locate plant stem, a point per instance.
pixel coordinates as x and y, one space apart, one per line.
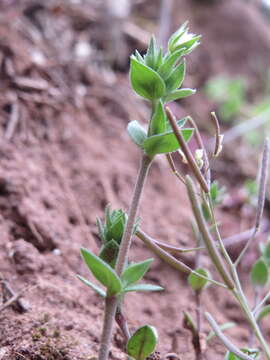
112 301
127 236
110 310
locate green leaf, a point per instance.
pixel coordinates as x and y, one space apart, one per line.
266 254
92 286
143 287
109 252
180 123
164 143
259 273
179 94
253 353
263 312
134 272
142 343
176 78
222 327
158 121
116 229
166 67
102 272
214 191
137 133
145 81
197 283
139 57
151 55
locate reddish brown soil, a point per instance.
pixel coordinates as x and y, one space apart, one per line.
68 156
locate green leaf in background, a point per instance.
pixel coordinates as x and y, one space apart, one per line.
266 253
253 353
176 78
102 272
196 282
164 143
259 273
222 327
136 132
142 343
100 291
134 272
179 94
143 287
145 81
166 67
158 121
109 252
263 312
180 123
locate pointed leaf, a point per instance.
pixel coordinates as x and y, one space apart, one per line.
136 132
102 272
92 286
100 229
143 287
115 231
164 143
158 121
145 81
180 123
179 94
142 343
109 252
259 273
222 327
134 272
176 78
166 67
263 312
151 54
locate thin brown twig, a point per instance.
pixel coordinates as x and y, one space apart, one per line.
191 161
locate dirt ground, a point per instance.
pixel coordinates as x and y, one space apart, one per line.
65 155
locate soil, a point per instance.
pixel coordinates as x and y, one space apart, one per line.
65 155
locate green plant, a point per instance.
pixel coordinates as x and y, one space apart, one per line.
156 77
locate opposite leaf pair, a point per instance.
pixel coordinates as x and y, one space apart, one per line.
114 284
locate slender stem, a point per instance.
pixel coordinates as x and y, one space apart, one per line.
110 310
127 236
111 302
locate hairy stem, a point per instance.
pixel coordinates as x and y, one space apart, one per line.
111 302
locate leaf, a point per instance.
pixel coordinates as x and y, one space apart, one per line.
266 253
263 312
137 133
139 57
214 191
102 272
180 123
145 81
100 229
134 272
222 327
176 78
196 282
109 252
116 229
253 353
151 55
166 67
259 273
92 286
179 94
164 143
158 121
143 287
142 343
